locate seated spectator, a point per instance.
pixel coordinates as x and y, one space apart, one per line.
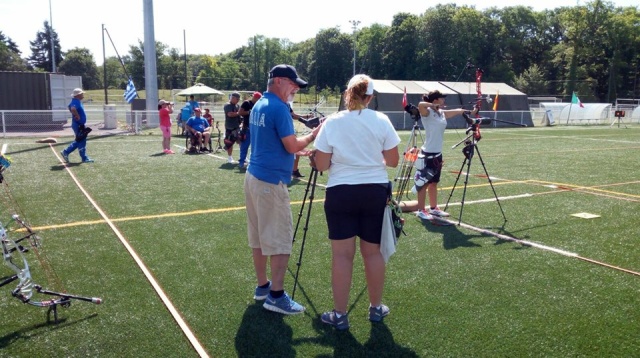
199 129
208 116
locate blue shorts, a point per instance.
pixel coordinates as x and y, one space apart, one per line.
356 210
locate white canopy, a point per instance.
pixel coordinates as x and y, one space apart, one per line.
198 88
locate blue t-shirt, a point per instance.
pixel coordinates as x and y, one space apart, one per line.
270 121
194 104
83 116
198 123
185 113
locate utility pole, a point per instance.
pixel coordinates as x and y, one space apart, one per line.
354 26
53 52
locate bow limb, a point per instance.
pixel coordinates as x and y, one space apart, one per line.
479 73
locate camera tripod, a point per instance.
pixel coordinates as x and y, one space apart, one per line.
403 176
469 150
311 185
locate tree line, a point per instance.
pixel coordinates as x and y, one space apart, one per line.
592 49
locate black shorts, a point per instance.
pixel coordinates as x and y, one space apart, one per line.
230 137
434 162
356 210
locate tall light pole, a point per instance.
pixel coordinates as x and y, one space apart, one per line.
53 53
354 26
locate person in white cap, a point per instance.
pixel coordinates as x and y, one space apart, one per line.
356 145
78 122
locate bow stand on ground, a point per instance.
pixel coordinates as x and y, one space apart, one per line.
13 255
310 193
404 176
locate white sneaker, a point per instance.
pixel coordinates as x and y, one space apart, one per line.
424 215
230 160
438 212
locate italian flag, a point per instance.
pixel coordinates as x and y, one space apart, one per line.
576 100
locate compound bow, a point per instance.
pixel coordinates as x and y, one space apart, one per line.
13 256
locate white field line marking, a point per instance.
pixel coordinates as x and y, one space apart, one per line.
581 138
167 302
208 154
540 246
526 195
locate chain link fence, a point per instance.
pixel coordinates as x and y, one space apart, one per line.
115 119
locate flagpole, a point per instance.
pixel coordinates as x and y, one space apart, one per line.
570 105
104 68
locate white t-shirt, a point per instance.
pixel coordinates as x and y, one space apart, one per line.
356 140
434 125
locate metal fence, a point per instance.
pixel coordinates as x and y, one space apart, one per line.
122 120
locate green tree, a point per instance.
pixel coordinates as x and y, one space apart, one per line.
371 49
41 56
532 82
115 73
80 62
335 53
10 55
399 59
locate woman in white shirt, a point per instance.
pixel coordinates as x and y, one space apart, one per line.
356 145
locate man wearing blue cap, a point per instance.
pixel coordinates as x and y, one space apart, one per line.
269 218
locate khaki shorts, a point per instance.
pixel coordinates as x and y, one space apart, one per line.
269 219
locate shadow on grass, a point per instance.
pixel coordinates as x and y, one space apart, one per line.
263 333
452 237
379 344
59 167
38 329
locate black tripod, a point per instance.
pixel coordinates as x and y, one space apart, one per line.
409 156
311 185
470 148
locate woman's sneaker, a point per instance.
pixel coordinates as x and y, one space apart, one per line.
331 318
284 305
438 212
424 215
377 313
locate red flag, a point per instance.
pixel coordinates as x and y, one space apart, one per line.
404 97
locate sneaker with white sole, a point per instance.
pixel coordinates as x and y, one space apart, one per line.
424 215
284 305
262 292
331 318
230 160
438 212
377 313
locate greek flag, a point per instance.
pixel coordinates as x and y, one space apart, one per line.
130 93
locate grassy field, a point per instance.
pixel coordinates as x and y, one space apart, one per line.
452 291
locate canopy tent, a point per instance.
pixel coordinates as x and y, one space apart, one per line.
564 113
513 105
635 115
198 89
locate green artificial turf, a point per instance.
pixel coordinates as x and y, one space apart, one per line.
452 291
